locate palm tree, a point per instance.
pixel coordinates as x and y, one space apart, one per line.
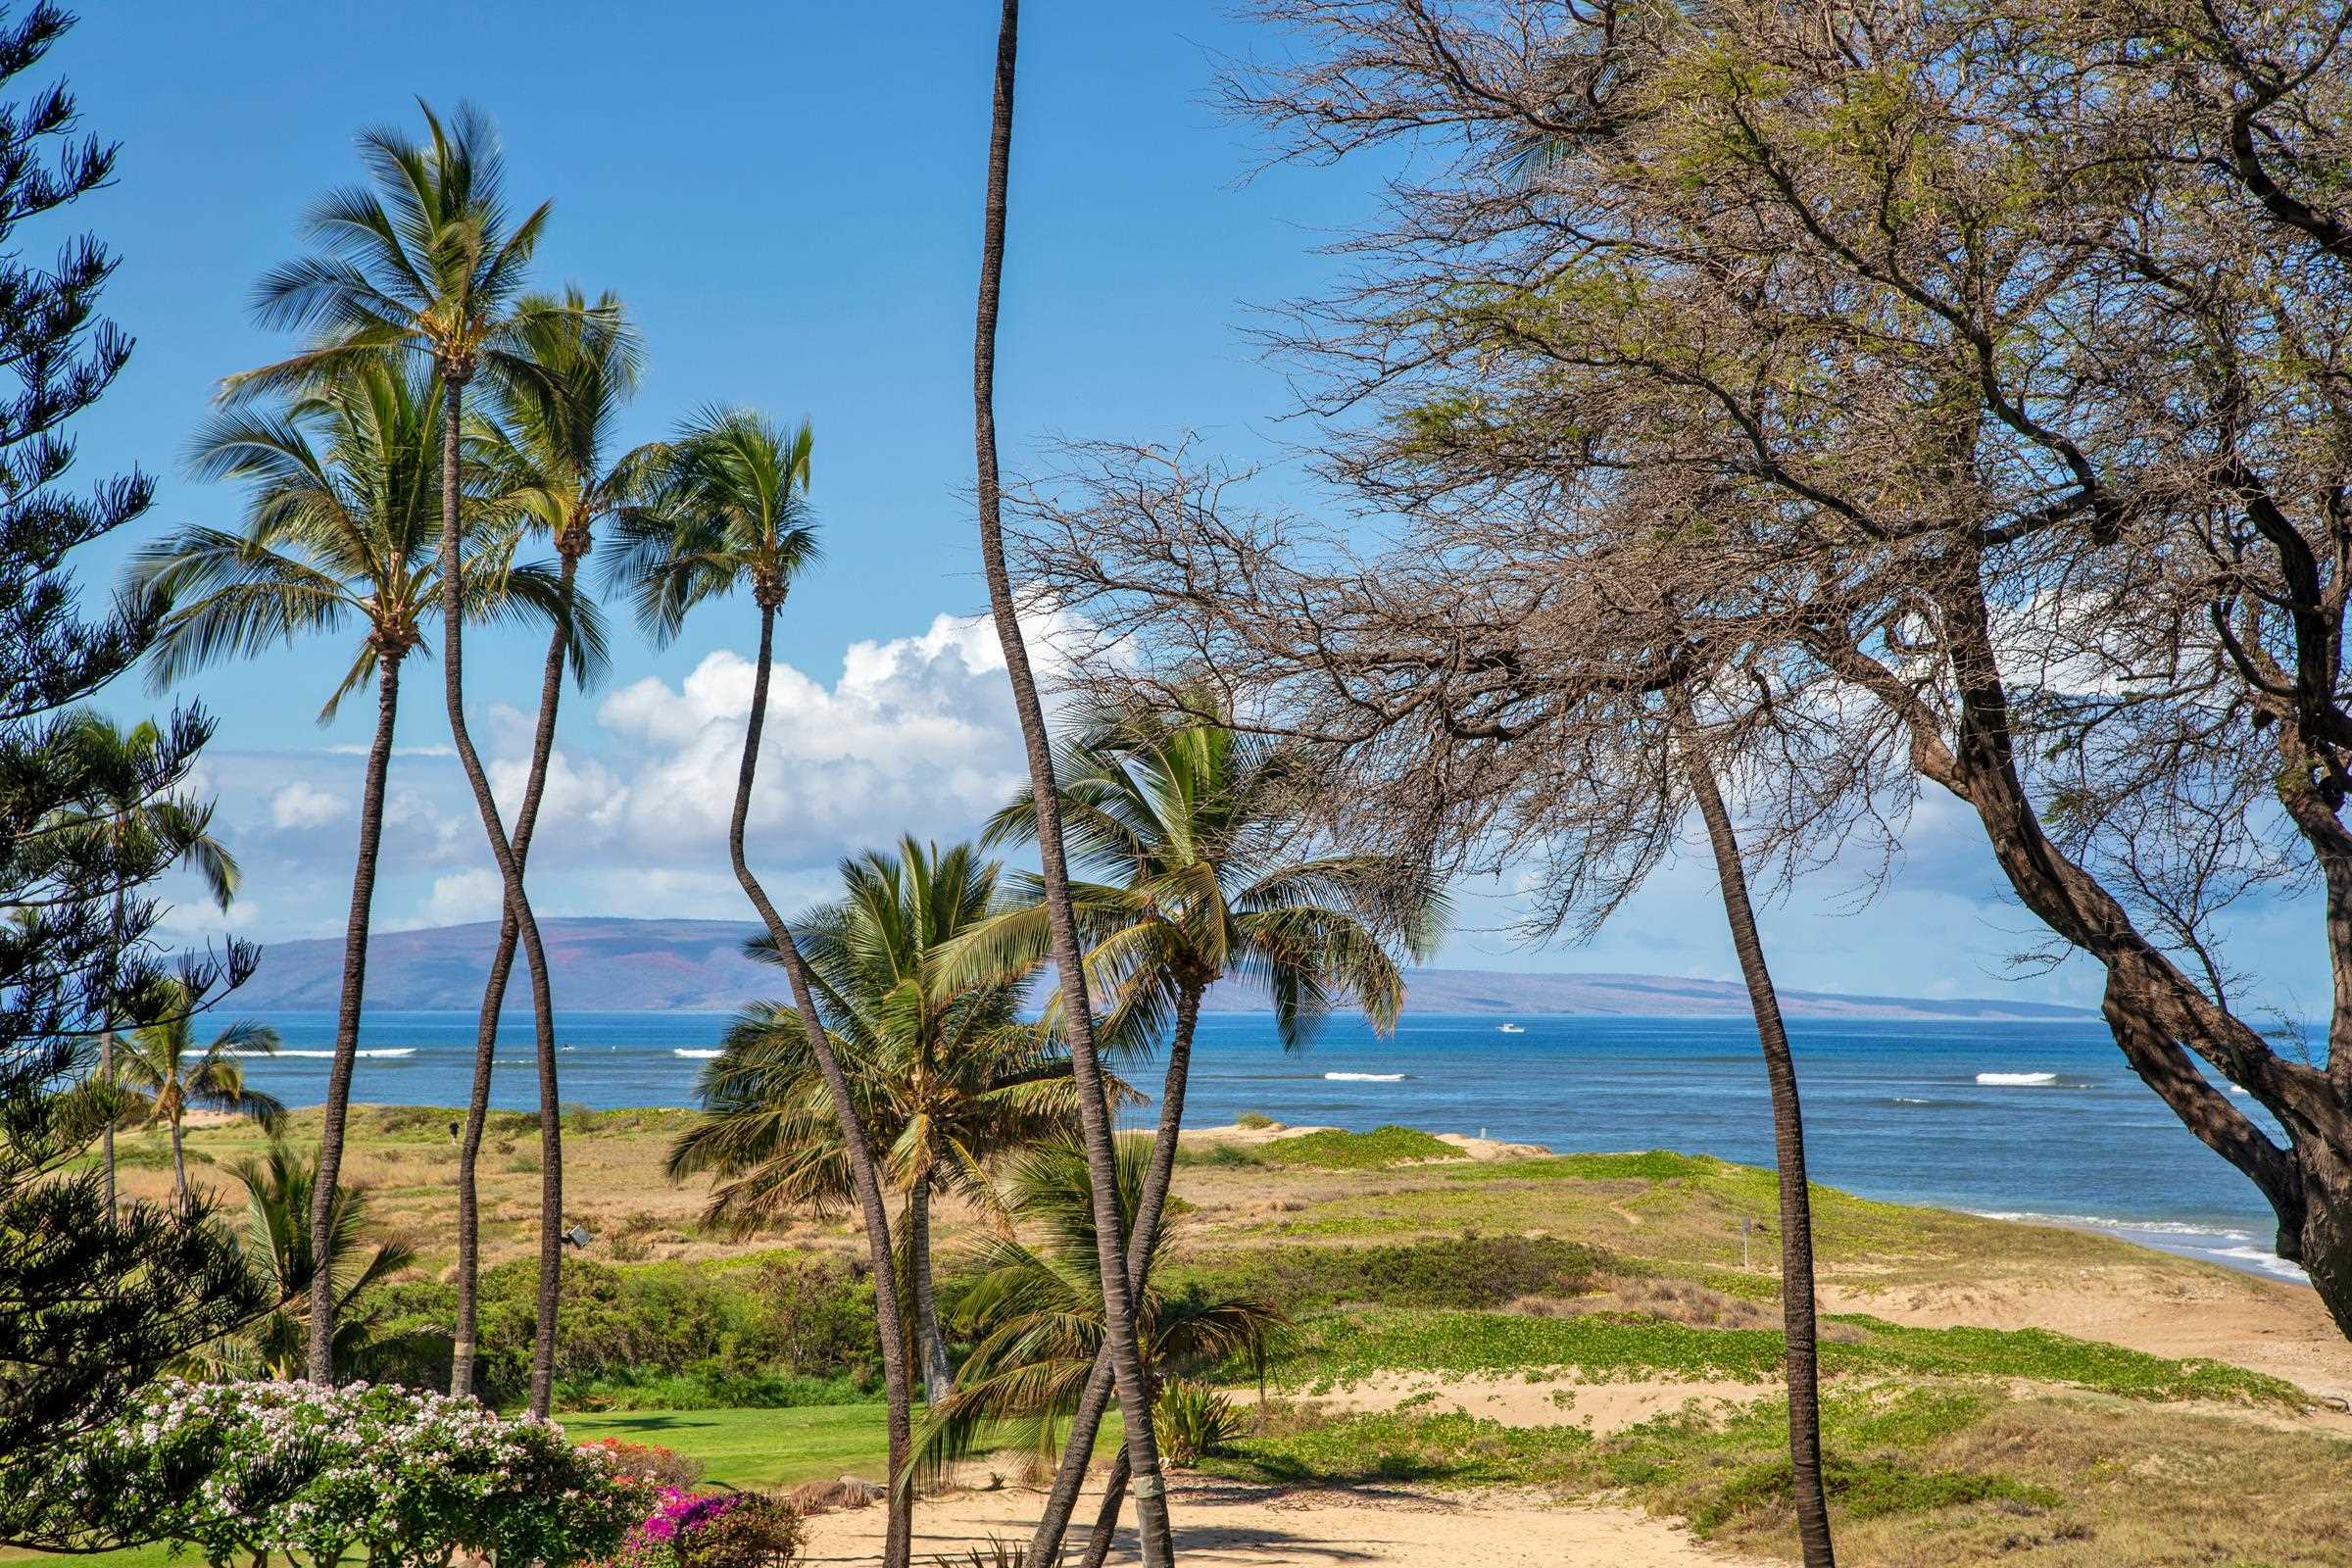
1789 1156
123 808
1191 825
551 462
340 514
1037 1309
424 263
1126 1357
737 516
164 1067
947 1077
280 1246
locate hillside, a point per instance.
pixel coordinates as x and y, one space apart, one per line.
620 965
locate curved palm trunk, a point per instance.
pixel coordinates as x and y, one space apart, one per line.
494 998
318 1364
1106 1517
1789 1151
931 1344
1078 1449
899 1538
1094 1112
180 1166
517 902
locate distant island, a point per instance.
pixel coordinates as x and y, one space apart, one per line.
604 965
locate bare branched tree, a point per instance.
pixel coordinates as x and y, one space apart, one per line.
1950 394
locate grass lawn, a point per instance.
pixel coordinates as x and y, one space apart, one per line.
755 1447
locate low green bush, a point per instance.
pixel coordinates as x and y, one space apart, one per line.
1336 1150
1463 1271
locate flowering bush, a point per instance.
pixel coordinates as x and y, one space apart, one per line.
407 1478
650 1462
712 1530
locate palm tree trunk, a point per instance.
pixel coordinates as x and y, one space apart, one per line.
320 1358
510 872
494 995
1789 1151
1078 1449
1106 1517
1094 1112
899 1538
933 1344
180 1166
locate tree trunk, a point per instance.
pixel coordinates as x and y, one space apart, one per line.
1078 1450
1094 1112
494 993
1789 1151
1106 1517
510 872
180 1166
931 1344
320 1358
898 1540
106 1035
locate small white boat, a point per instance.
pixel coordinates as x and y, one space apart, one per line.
1508 1029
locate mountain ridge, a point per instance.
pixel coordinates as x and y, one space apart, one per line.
621 964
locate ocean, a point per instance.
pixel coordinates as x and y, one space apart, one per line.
2039 1120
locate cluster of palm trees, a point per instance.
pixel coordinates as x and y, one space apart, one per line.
438 418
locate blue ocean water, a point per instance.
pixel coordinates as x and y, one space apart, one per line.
2040 1119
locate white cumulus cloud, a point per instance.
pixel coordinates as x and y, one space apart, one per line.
301 804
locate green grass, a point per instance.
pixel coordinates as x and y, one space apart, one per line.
755 1447
1335 1149
1341 1348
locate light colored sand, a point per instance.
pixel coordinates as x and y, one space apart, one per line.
1223 1524
1600 1409
1250 1137
2273 1327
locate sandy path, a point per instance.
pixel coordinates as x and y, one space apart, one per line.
1600 1409
1220 1524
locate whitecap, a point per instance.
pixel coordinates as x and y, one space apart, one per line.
2017 1080
1906 1100
681 1050
2268 1262
1364 1077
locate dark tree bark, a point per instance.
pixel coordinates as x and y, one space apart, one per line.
1106 1516
1789 1155
1094 1402
319 1354
510 872
494 993
898 1540
1094 1112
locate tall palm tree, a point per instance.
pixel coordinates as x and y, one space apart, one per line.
132 810
164 1067
1191 827
339 532
1126 1355
1798 1309
947 1077
552 463
736 516
1036 1305
425 264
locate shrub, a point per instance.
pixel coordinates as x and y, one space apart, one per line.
1335 1149
297 1470
714 1530
1465 1271
1192 1421
649 1461
1255 1120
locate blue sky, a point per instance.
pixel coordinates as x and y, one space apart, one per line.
787 198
